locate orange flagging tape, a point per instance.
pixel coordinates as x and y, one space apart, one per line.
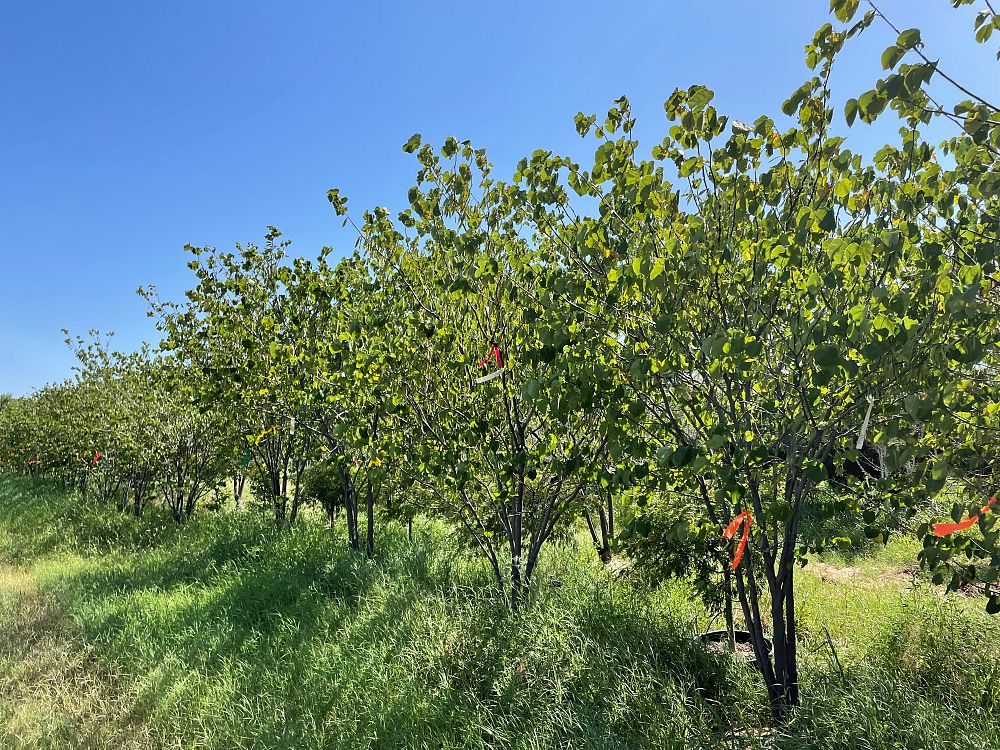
730 532
944 529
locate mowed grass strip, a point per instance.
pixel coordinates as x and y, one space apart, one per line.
53 692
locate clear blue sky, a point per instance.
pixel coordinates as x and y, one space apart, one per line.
130 129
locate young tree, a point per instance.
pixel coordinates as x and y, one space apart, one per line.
758 310
509 407
190 447
237 334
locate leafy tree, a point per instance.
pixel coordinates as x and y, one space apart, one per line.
509 409
351 381
755 309
238 334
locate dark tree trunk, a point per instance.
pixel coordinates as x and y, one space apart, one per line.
141 479
728 593
192 500
370 517
602 541
300 467
606 535
778 668
593 533
350 508
517 588
239 482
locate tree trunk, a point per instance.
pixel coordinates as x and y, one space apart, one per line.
779 668
516 584
192 499
730 627
593 534
611 518
350 508
605 535
370 547
239 481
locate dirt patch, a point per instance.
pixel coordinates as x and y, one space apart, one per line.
828 573
754 737
905 576
743 651
619 566
902 577
54 693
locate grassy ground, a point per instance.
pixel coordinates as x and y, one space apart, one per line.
229 634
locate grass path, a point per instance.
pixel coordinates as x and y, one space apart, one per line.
54 694
227 635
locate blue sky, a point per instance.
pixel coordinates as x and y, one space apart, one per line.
130 129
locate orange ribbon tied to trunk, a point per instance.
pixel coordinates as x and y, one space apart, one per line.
944 529
744 519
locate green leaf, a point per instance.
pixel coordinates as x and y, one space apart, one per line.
338 201
844 10
682 455
909 39
657 269
699 98
871 105
851 111
828 221
412 144
814 471
891 56
826 356
531 389
792 103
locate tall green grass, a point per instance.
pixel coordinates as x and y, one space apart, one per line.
228 633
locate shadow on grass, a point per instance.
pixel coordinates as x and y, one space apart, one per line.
241 635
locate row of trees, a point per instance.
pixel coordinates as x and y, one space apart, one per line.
127 430
715 329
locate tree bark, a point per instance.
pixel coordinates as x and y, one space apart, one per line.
779 669
605 536
593 533
350 508
239 481
370 508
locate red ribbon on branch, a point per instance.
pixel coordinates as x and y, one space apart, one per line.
97 457
495 352
743 519
944 529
